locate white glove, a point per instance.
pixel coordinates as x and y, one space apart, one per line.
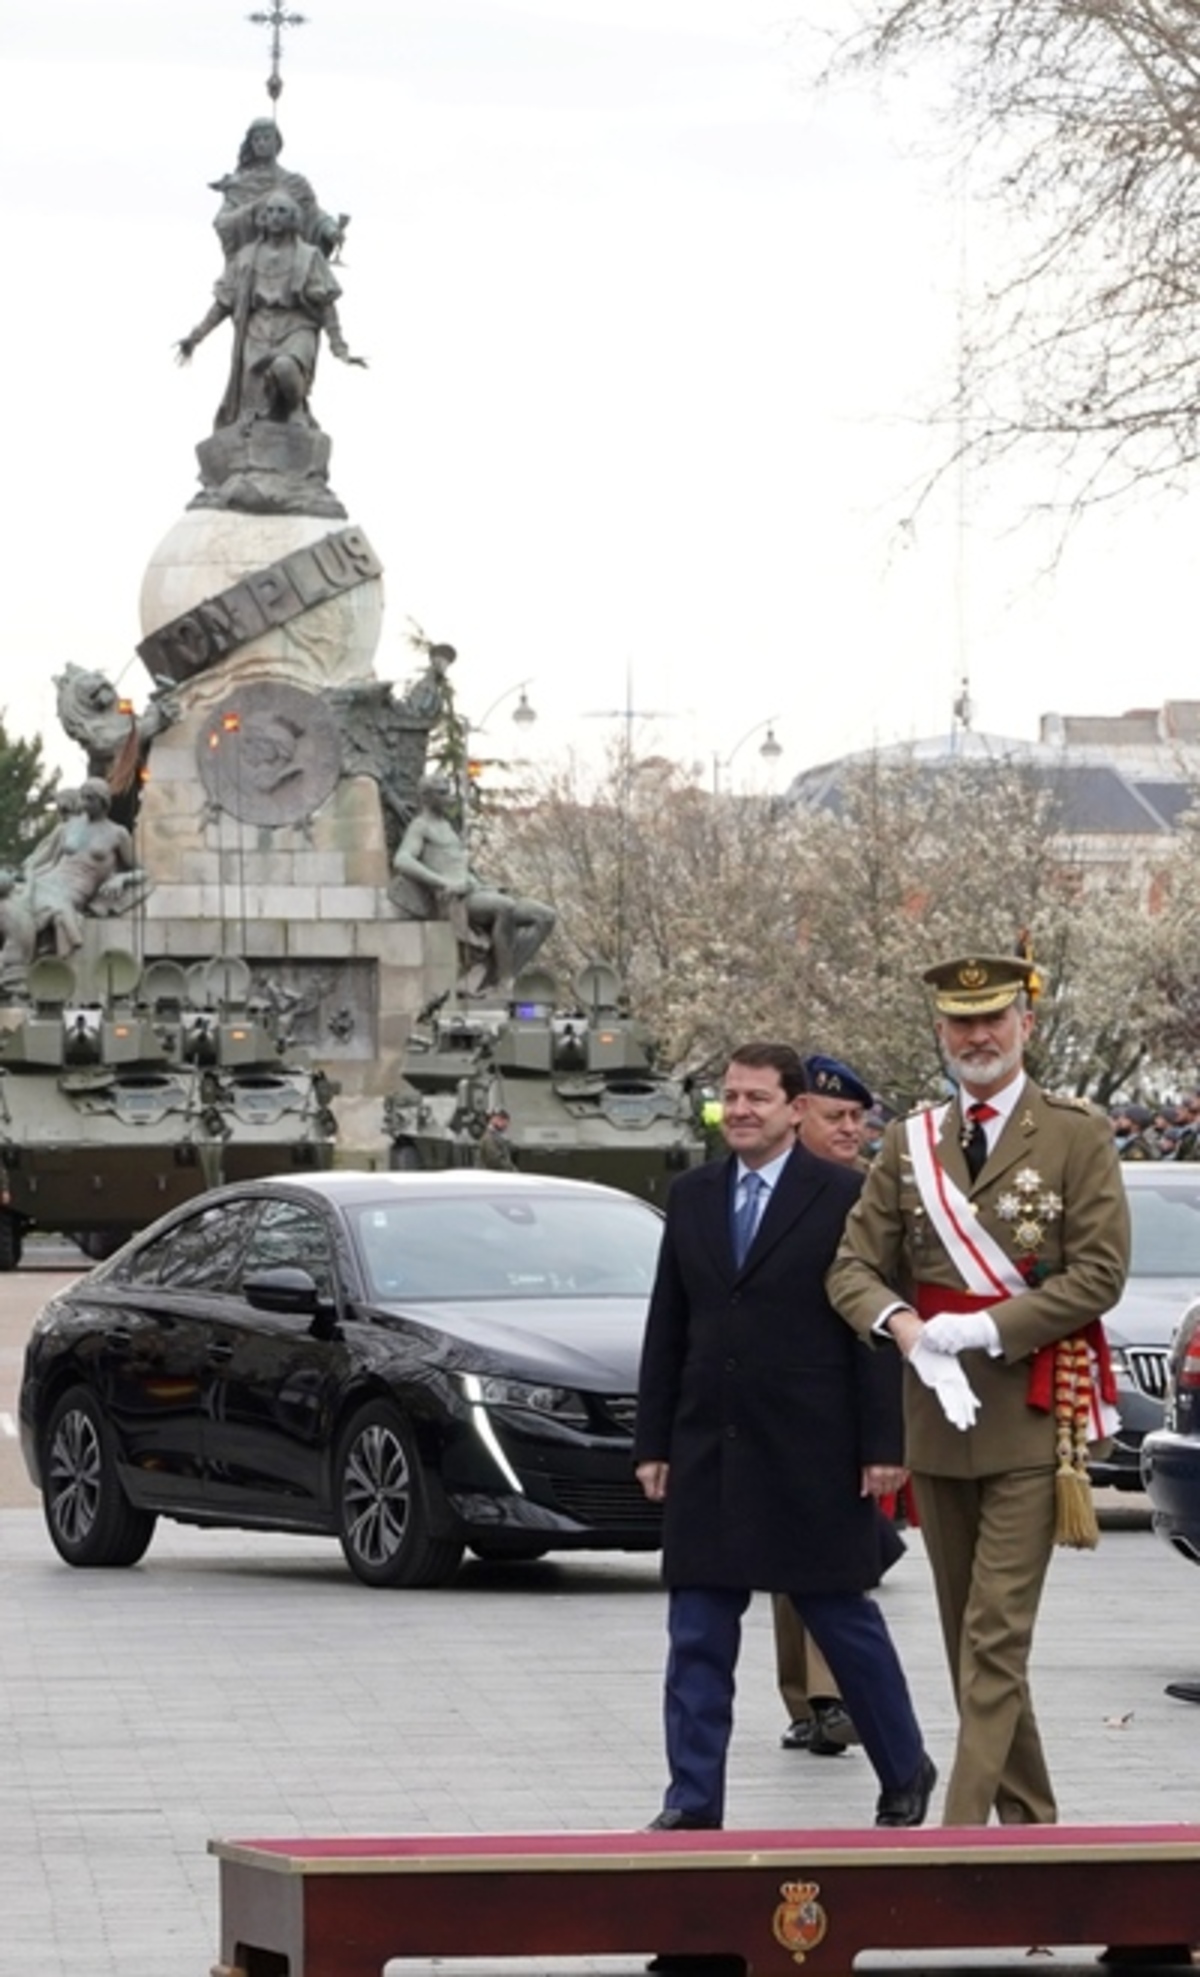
941 1371
962 1331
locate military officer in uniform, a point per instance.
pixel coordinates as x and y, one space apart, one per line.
836 1105
831 1125
990 1238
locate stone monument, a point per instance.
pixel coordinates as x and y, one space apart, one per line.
273 774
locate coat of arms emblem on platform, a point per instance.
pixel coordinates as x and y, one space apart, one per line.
799 1922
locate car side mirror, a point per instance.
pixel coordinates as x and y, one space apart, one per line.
284 1289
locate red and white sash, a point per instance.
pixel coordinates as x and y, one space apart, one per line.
981 1263
989 1275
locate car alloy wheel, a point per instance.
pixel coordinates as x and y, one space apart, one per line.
90 1519
381 1514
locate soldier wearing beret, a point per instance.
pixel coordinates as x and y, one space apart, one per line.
990 1238
767 1433
834 1108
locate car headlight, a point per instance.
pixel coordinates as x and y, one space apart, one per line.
526 1397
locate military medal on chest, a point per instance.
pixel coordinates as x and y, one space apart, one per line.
1029 1205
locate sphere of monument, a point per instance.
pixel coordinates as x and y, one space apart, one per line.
209 551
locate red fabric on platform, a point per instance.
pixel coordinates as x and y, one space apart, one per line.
470 1847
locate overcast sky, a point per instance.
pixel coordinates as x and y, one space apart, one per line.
651 330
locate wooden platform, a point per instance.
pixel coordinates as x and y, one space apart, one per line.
343 1907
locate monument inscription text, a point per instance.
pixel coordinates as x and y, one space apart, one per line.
267 597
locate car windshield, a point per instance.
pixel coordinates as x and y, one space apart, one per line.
509 1246
1166 1230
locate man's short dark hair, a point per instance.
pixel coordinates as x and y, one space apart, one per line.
775 1057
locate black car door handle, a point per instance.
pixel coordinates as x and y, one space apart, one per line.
218 1353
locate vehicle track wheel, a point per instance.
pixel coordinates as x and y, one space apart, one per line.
99 1244
88 1515
380 1507
10 1242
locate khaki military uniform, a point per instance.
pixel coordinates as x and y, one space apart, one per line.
801 1670
1051 1195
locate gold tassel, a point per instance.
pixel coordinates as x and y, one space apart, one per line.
1075 1522
1074 1512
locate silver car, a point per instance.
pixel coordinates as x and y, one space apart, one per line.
1164 1206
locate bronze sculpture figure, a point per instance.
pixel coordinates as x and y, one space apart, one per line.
281 294
498 933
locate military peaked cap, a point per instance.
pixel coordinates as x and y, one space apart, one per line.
980 983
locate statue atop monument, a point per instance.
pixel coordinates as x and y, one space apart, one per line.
282 295
258 172
267 454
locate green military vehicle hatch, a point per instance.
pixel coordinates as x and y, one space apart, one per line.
130 1091
527 1084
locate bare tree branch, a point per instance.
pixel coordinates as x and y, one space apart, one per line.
1082 120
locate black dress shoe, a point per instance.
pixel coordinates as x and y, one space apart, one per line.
799 1733
908 1805
833 1729
671 1820
825 1733
1184 1691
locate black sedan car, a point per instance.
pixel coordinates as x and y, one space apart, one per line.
413 1363
1171 1455
1164 1270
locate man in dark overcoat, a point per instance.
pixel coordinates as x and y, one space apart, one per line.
768 1432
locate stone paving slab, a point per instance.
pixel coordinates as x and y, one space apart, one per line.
239 1685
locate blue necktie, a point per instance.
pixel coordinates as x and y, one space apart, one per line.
745 1219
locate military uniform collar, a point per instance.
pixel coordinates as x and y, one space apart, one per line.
1003 1102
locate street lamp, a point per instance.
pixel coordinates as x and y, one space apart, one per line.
627 714
769 748
523 714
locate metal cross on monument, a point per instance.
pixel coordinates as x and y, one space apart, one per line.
277 19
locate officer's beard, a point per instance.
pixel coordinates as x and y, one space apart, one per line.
986 1069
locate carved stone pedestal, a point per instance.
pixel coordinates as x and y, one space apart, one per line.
273 594
267 468
258 838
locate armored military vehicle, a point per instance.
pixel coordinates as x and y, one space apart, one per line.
528 1084
128 1091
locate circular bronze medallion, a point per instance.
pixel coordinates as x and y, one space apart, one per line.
269 754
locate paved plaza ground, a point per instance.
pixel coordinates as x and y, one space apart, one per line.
242 1685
